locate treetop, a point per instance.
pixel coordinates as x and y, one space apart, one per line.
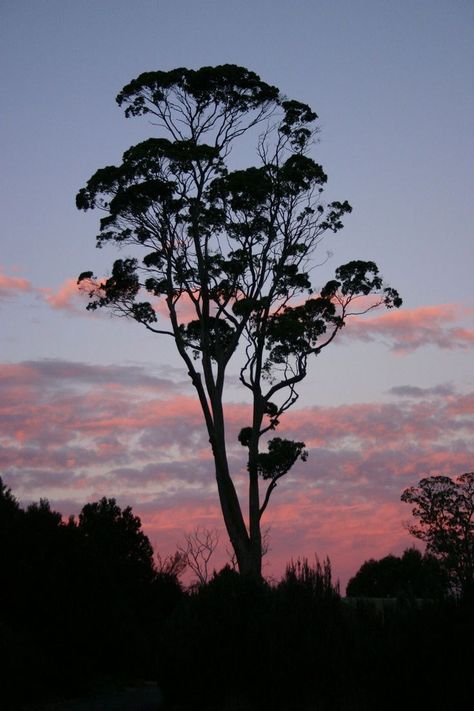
234 87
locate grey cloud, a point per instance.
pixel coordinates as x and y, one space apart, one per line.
60 371
418 392
190 472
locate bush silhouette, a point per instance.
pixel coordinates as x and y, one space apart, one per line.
412 576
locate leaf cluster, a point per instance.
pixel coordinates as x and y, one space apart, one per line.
280 457
235 88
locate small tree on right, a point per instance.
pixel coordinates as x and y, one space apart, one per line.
444 509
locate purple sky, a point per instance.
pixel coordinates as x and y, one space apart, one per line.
90 406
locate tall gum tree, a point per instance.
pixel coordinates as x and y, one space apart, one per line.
236 247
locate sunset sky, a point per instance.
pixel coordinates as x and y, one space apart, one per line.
91 406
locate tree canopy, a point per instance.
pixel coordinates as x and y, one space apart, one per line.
233 244
114 536
444 511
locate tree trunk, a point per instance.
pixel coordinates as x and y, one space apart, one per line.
248 549
250 565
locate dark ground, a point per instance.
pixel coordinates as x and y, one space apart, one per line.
146 697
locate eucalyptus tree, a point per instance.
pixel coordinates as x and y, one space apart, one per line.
234 245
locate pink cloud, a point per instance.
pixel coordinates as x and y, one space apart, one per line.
403 331
73 297
87 431
12 285
349 533
184 308
53 404
408 329
67 297
445 326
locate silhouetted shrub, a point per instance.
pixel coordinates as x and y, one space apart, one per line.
244 640
298 646
412 576
216 634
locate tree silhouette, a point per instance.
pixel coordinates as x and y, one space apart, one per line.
8 503
11 519
444 509
412 575
234 246
79 599
114 538
123 598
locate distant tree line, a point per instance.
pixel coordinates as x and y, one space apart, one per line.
413 575
83 601
79 600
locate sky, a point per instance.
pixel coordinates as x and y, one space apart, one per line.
91 406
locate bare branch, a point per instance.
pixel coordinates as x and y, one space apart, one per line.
198 549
